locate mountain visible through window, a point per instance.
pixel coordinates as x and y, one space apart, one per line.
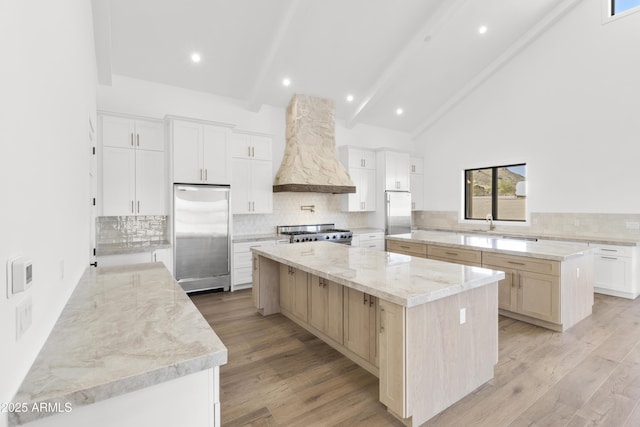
499 191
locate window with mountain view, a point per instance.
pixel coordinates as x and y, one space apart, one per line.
621 6
499 191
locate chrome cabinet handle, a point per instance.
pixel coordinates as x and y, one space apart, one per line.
608 250
138 206
381 319
248 151
608 257
452 253
205 175
516 263
253 206
132 211
200 174
132 139
249 208
138 139
253 151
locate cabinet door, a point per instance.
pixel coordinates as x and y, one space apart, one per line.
240 185
416 165
613 273
368 159
285 287
260 147
240 146
417 192
300 297
255 290
149 135
507 288
368 185
164 256
334 315
318 303
393 358
539 296
357 322
150 183
118 181
215 156
187 147
401 167
354 200
118 132
261 186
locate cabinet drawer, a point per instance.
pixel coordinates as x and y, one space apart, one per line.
242 275
610 250
373 244
242 259
370 236
462 256
533 265
417 249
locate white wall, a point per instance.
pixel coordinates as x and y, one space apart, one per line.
47 87
567 106
148 99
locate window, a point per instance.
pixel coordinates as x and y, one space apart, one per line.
499 191
621 6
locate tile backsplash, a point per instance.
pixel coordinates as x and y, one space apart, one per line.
286 211
625 226
130 229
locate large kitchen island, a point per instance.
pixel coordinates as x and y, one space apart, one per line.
428 329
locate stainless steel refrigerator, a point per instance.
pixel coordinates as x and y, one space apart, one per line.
201 237
398 205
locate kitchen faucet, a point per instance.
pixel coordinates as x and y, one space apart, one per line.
490 221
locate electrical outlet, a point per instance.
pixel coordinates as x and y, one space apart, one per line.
577 272
463 316
24 315
632 225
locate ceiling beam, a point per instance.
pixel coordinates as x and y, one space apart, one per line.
433 25
534 32
102 39
253 101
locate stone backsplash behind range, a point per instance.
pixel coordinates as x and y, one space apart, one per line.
286 211
544 224
131 229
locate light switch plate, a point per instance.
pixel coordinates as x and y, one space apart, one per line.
24 315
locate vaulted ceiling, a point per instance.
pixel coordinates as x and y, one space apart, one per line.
422 56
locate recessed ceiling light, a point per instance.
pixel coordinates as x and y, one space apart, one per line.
349 98
399 111
482 29
195 57
286 81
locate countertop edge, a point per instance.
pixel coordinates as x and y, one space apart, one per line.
115 249
406 302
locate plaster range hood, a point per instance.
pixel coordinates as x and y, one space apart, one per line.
310 162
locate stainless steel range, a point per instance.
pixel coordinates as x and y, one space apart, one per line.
313 233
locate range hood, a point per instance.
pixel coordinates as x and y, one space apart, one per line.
310 162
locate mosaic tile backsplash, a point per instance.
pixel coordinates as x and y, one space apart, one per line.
286 211
625 226
131 229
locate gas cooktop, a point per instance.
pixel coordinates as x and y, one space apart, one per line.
317 232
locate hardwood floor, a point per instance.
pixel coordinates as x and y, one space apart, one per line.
280 375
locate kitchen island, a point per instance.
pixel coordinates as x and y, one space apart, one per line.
549 284
128 349
427 329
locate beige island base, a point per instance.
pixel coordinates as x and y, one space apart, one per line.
427 329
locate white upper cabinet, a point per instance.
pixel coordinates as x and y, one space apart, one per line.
416 177
132 178
252 174
361 166
201 153
131 133
394 166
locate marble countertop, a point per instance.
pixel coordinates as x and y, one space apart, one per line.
582 239
123 329
557 251
401 279
257 237
131 248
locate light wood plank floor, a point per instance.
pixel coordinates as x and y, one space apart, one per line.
280 375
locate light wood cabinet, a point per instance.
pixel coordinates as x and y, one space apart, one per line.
531 286
294 291
326 307
459 256
201 153
407 248
360 320
393 369
361 165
